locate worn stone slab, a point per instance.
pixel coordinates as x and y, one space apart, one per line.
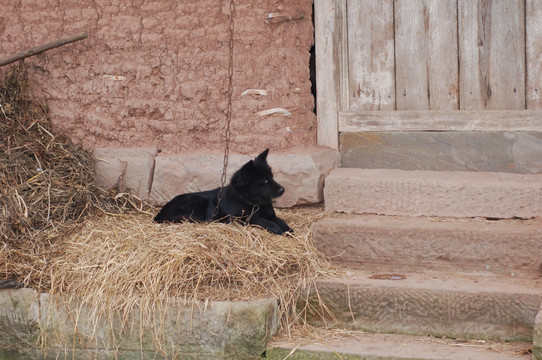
537 337
513 152
371 346
95 354
19 325
434 193
212 330
302 174
391 243
129 168
99 354
158 178
436 304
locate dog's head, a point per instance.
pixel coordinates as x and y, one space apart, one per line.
254 181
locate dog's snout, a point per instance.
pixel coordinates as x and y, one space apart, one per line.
281 190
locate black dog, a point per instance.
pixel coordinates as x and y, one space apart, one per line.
248 198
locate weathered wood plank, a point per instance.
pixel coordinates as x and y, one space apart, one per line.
442 51
426 54
435 120
328 16
492 54
342 22
533 47
411 62
371 55
496 151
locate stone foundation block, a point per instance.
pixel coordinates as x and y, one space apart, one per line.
495 151
129 168
19 318
537 337
434 193
302 174
34 325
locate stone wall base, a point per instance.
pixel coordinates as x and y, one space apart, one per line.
34 325
537 337
157 178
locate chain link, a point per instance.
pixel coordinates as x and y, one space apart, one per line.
227 132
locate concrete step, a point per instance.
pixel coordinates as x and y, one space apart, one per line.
415 244
434 193
437 304
371 346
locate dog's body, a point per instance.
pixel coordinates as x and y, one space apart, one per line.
248 197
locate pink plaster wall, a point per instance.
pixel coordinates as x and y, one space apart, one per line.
174 58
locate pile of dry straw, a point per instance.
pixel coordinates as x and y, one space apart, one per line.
61 233
47 185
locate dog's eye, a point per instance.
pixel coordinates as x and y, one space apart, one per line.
266 181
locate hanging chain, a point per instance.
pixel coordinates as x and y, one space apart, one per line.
228 113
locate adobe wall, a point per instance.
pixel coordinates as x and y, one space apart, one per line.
154 73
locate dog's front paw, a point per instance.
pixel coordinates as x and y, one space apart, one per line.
275 229
285 230
284 227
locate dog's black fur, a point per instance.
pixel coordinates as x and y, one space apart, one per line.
248 197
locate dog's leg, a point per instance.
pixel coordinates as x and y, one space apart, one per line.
282 224
266 215
268 225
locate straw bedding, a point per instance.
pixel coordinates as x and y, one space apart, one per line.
145 262
60 233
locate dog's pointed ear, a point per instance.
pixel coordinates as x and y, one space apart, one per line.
241 177
263 156
249 165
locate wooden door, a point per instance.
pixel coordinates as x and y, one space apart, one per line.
428 65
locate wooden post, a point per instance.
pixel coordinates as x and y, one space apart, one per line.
533 33
330 43
41 48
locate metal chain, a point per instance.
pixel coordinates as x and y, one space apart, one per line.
228 113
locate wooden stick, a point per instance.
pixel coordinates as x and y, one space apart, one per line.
41 48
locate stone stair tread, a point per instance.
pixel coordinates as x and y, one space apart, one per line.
374 346
434 193
439 280
431 303
403 243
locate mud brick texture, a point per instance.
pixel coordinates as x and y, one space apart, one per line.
155 73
